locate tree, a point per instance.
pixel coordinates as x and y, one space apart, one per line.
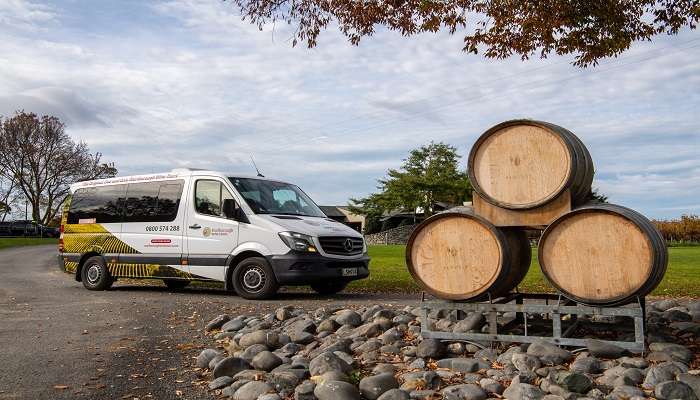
596 196
4 210
8 195
43 161
591 30
430 174
685 229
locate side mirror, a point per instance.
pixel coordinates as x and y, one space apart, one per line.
232 211
229 208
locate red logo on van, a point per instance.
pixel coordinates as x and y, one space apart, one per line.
155 241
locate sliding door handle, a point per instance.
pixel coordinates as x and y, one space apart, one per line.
195 226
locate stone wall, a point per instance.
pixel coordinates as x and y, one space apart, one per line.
398 235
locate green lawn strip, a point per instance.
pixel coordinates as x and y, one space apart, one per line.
683 274
389 273
16 242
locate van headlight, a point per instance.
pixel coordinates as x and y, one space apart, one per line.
298 241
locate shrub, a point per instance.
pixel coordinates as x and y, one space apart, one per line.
685 229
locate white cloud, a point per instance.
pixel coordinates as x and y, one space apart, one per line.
25 15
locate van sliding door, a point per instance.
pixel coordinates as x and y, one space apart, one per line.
153 228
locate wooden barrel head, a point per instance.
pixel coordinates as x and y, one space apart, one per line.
597 256
521 165
455 257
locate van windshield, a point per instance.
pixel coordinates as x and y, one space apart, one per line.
270 197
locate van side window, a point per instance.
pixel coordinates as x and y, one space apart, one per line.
169 200
101 205
209 197
152 201
141 202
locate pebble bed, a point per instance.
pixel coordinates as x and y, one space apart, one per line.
377 353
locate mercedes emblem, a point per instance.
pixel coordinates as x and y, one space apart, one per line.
348 245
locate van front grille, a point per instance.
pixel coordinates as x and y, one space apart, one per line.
341 245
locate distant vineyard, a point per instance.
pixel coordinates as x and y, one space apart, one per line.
685 229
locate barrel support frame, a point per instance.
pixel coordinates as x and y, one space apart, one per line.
555 306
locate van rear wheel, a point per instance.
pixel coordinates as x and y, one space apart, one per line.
254 279
176 283
95 275
329 287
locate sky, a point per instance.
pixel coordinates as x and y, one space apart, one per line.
155 85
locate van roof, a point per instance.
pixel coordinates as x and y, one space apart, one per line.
173 174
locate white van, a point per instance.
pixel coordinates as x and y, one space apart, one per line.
252 233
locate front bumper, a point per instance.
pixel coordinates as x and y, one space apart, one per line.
305 269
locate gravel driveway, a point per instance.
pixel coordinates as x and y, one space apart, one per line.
60 340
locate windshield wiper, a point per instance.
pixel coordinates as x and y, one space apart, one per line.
295 214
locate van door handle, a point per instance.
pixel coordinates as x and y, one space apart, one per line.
195 226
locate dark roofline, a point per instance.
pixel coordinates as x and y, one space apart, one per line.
332 211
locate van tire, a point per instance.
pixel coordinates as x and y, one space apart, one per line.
254 279
176 283
95 275
329 287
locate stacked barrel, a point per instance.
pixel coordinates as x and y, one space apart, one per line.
597 253
458 255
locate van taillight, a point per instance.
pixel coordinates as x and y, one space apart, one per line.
60 238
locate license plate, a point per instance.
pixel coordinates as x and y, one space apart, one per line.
349 271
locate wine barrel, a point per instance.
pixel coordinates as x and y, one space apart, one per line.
603 254
458 255
523 164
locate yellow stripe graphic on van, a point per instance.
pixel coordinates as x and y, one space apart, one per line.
147 271
70 266
83 238
84 228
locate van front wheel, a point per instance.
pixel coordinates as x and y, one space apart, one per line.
254 279
95 275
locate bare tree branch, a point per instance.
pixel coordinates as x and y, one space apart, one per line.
42 161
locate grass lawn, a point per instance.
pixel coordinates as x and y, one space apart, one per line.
15 242
388 273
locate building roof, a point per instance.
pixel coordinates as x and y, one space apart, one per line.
400 215
332 211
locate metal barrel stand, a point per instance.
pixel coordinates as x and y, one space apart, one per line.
552 305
